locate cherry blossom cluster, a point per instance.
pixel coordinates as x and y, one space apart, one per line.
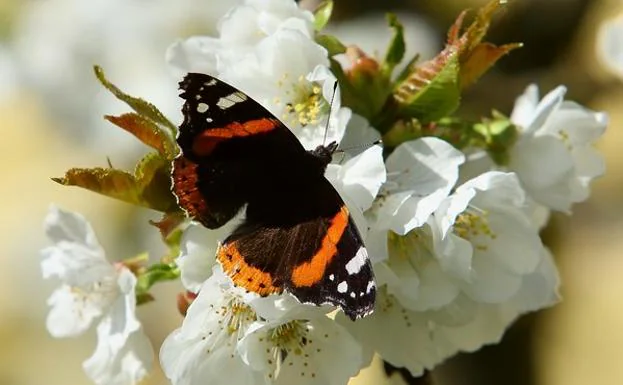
453 233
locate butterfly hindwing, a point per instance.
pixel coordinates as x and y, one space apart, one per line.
320 259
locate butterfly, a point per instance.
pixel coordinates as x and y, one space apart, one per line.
297 234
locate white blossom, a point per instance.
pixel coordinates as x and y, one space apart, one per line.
294 343
94 290
123 354
203 349
420 174
229 336
57 42
458 282
267 50
554 157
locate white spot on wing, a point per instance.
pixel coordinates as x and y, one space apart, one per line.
371 285
356 263
352 294
238 97
332 277
229 100
342 287
210 83
202 107
224 103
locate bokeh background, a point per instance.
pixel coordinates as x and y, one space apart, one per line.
50 114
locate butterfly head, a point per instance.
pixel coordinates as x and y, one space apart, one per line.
325 153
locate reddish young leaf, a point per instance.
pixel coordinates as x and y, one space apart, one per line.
147 132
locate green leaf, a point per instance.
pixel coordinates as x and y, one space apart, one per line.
431 91
143 298
331 43
147 132
322 14
396 50
141 106
156 273
149 186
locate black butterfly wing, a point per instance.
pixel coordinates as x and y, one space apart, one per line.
321 258
228 142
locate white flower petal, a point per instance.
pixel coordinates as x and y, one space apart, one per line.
119 364
198 253
549 103
376 244
540 288
420 176
195 54
195 362
65 226
525 107
326 353
361 176
359 136
545 177
89 284
490 284
407 345
205 344
70 315
249 23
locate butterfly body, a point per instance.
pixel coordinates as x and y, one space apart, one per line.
297 234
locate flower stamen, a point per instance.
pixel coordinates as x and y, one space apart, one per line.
473 223
307 103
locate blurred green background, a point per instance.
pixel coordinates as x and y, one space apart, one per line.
51 109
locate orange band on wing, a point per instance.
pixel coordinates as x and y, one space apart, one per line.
243 274
310 273
185 187
205 142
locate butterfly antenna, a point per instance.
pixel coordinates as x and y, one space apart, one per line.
326 129
364 145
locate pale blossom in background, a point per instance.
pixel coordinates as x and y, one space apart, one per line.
8 74
58 42
610 44
93 290
554 156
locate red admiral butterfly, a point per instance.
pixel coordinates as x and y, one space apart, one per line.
297 233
